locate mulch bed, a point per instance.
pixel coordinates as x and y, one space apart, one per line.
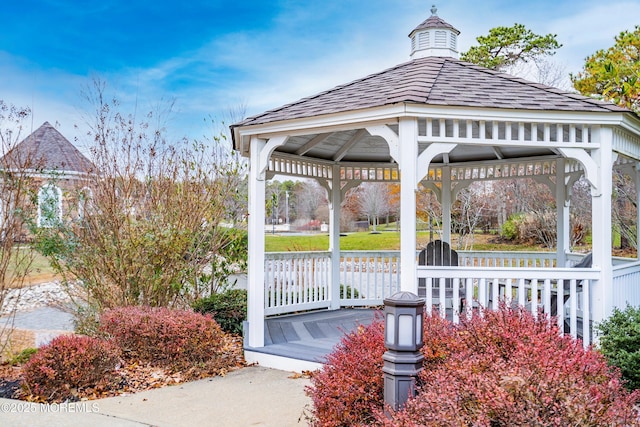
134 377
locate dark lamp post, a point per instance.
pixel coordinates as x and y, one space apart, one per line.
403 339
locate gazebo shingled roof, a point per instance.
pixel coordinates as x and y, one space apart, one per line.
434 81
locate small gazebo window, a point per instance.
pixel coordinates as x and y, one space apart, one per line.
441 39
49 206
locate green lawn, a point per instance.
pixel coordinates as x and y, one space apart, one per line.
387 240
320 242
39 268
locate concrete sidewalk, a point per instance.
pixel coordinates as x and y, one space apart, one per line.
252 396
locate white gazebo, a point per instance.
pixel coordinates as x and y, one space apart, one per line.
444 123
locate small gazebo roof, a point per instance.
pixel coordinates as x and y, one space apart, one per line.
47 149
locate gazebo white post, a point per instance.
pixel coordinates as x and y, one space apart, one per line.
446 205
408 147
636 178
255 267
602 294
563 229
335 200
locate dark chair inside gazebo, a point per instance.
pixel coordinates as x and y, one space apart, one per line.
439 253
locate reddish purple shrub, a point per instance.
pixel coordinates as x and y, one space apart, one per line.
507 368
439 339
176 339
504 368
68 364
348 387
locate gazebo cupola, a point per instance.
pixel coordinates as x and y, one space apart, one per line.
434 37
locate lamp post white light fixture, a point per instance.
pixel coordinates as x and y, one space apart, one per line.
403 339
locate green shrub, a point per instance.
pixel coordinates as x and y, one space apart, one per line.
86 319
69 363
620 343
22 357
177 339
510 229
228 308
349 292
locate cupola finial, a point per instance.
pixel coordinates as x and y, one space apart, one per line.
434 10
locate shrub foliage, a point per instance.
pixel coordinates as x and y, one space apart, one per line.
69 363
228 308
148 221
176 339
349 386
620 343
503 368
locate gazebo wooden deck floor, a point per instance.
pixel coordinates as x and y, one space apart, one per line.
311 336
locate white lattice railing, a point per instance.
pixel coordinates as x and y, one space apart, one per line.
368 277
560 292
626 284
296 281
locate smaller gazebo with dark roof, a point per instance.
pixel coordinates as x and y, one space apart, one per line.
58 170
442 123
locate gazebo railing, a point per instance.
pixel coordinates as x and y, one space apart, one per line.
506 259
368 277
297 281
626 284
563 293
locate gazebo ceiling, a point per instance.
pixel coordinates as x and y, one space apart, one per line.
358 146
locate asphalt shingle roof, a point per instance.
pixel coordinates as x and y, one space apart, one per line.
434 21
435 81
47 149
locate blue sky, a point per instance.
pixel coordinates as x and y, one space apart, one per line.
211 56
